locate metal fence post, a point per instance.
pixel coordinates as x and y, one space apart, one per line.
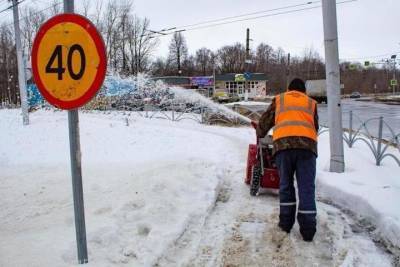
379 151
351 129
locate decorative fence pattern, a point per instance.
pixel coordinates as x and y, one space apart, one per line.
200 114
378 144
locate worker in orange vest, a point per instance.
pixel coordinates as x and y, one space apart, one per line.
294 119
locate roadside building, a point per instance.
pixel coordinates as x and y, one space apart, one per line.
201 84
235 85
230 84
180 81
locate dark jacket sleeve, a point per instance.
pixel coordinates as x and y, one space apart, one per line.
267 120
316 119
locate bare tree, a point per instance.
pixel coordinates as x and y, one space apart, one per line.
110 24
124 14
177 50
31 22
140 43
85 6
231 58
98 14
204 60
188 65
9 93
159 67
55 8
264 56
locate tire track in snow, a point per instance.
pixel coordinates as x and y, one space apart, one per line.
197 245
242 231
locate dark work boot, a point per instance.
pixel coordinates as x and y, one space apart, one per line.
284 228
307 234
287 217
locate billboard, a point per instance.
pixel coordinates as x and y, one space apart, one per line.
201 81
239 78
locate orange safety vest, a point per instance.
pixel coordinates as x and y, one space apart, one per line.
294 116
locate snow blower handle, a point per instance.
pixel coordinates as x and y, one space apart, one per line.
259 148
254 124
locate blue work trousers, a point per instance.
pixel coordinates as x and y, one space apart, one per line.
301 162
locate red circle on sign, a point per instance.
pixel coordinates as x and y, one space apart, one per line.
101 68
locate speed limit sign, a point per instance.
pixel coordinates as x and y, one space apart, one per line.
68 60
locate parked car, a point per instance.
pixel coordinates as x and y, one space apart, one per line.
221 97
355 95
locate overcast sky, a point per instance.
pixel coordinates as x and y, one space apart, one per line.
365 27
368 29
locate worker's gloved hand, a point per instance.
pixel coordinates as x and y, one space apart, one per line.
259 133
258 130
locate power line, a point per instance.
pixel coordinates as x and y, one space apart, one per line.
7 8
237 16
368 57
246 19
248 14
37 12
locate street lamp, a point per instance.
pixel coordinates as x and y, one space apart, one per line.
393 57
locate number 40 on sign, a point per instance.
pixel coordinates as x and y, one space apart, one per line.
68 61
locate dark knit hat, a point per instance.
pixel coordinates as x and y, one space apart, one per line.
298 85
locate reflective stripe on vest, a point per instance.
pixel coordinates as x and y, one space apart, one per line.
298 123
294 123
309 109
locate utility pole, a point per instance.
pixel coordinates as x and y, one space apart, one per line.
178 54
394 72
21 65
76 170
333 86
247 64
213 92
288 70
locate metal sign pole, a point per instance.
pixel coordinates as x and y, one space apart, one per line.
76 171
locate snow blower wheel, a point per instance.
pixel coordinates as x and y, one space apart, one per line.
255 179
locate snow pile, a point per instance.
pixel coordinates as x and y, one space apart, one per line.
369 191
143 185
115 86
172 194
142 89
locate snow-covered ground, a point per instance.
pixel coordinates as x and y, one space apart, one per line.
163 193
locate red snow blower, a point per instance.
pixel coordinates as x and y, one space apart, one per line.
261 169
